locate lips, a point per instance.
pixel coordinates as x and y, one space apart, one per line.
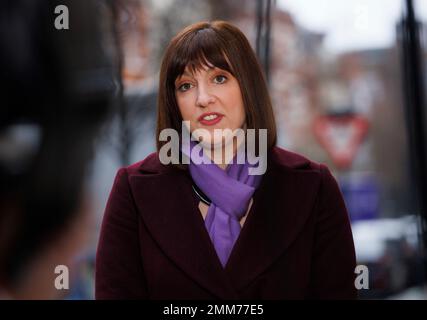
211 118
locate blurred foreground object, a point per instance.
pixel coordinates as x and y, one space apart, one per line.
409 34
57 89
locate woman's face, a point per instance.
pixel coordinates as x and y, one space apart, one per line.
210 99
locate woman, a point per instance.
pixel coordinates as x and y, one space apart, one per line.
215 231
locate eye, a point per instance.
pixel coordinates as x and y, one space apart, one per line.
184 87
220 79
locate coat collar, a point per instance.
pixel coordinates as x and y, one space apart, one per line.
281 205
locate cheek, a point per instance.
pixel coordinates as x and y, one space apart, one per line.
185 107
238 111
242 113
235 103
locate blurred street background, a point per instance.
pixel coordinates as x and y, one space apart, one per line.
336 80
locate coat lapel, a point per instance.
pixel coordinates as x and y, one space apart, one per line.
169 210
281 206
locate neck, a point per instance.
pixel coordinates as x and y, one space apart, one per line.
222 157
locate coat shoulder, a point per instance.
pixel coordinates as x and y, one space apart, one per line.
291 160
150 164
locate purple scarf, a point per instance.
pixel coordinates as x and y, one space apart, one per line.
230 191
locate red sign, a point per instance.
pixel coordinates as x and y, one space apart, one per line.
341 136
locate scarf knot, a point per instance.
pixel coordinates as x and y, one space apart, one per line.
230 191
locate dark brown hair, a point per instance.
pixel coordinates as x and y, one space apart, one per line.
224 46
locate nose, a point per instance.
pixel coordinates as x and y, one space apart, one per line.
204 97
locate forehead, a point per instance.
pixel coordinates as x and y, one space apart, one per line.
191 72
191 65
203 64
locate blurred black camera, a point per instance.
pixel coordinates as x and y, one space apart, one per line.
57 89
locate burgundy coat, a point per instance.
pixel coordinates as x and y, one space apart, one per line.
296 242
